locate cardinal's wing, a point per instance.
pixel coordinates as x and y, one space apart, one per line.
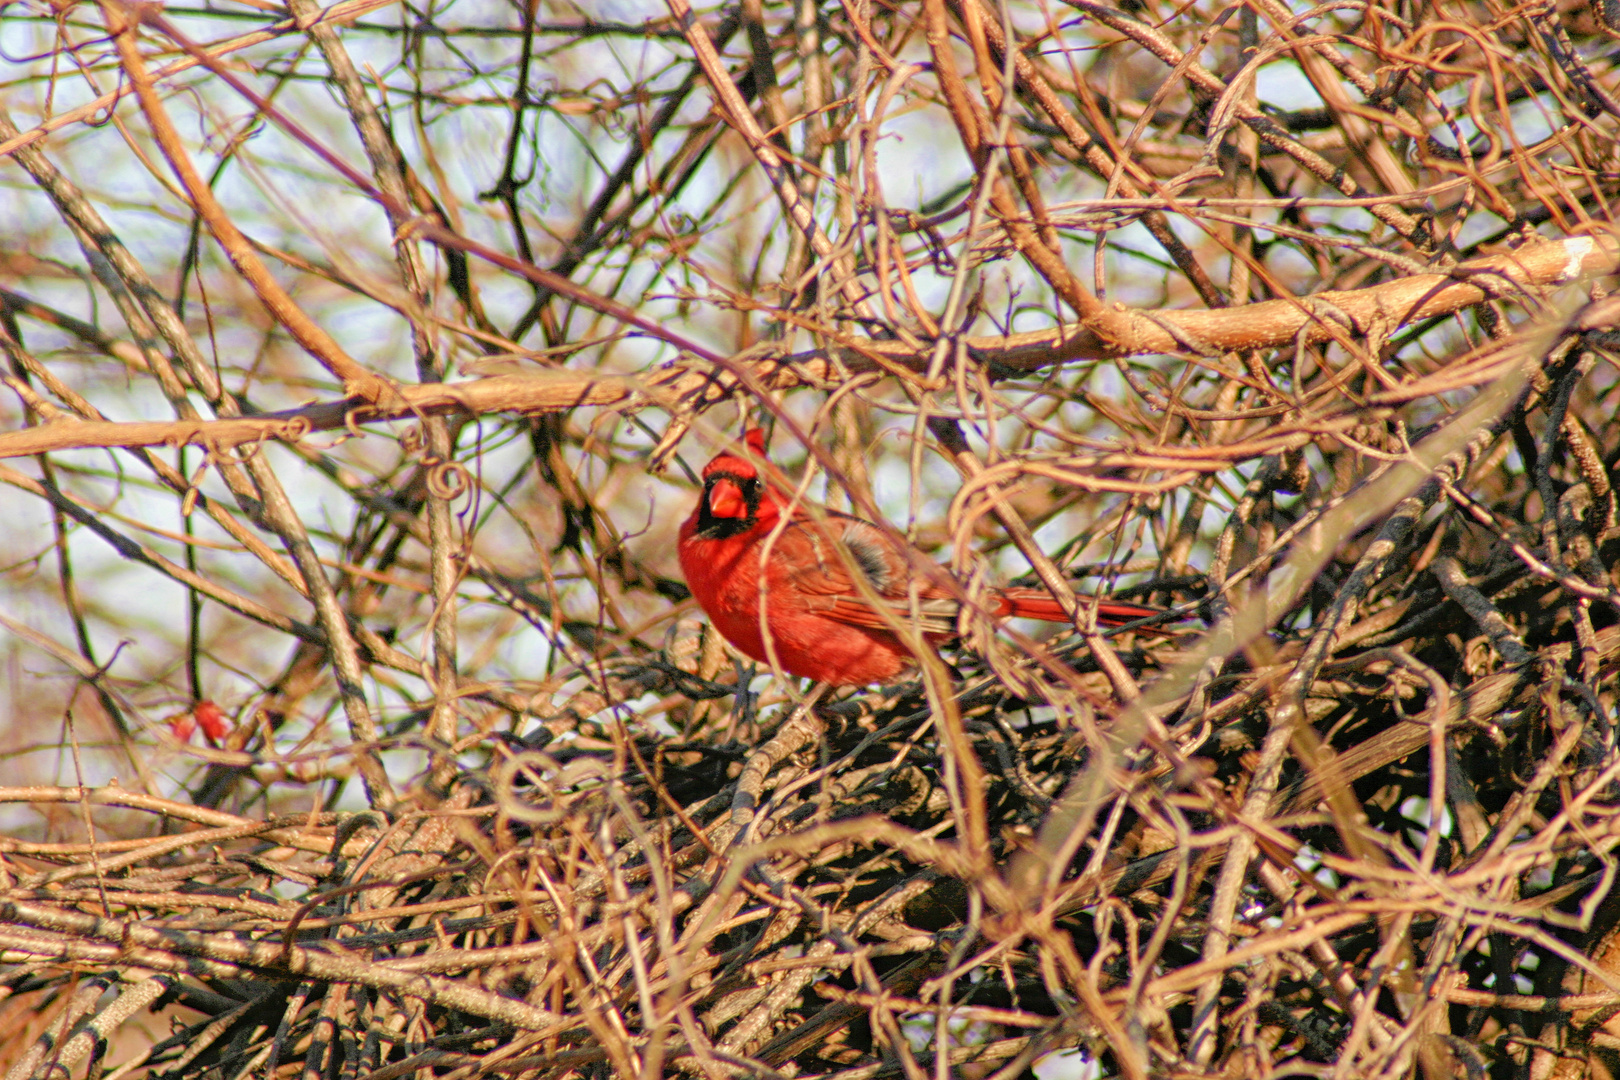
817 558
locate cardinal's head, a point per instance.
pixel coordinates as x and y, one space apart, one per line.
736 499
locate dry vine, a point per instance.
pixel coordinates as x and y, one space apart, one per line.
358 360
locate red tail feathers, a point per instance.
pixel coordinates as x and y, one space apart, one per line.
1038 604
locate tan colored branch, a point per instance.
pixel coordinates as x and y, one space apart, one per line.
974 127
345 11
537 392
740 118
306 331
1132 332
1273 323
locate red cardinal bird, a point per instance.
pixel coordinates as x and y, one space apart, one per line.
821 625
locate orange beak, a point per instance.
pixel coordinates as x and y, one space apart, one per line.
726 500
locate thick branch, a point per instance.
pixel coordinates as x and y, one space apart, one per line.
1270 324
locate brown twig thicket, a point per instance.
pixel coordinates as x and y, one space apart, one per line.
357 363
